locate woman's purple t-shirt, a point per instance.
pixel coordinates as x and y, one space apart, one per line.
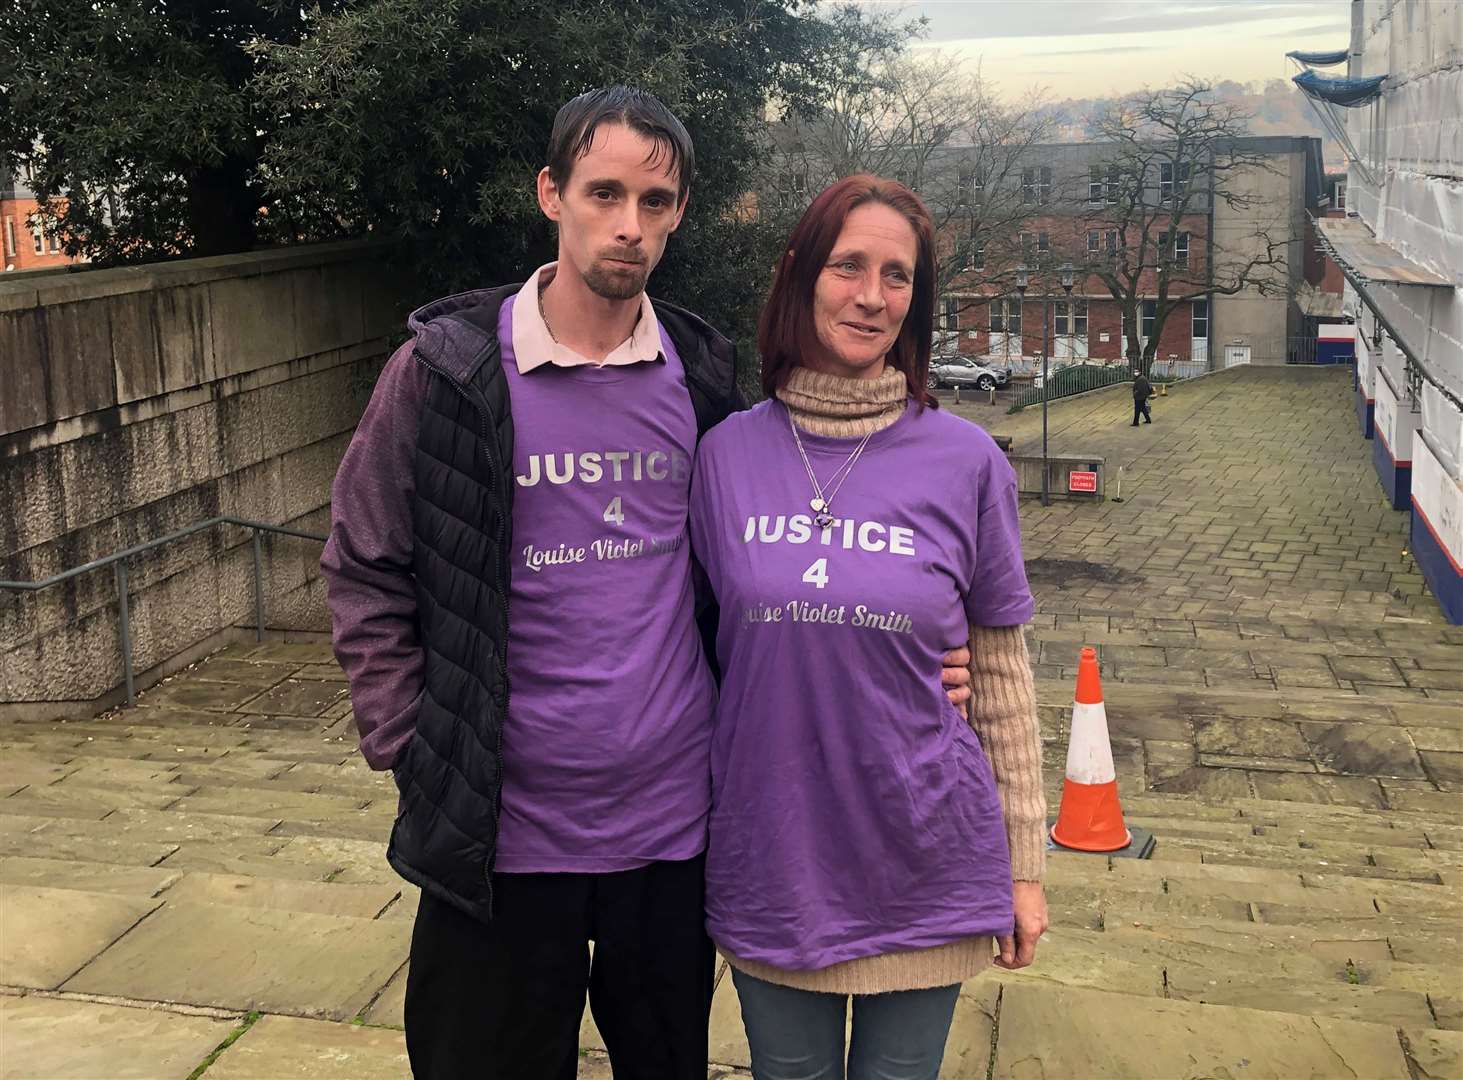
853 810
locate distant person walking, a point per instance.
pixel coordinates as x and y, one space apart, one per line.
1142 391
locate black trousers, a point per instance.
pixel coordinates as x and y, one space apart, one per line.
505 1001
1140 408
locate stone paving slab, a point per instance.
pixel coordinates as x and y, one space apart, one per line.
250 855
321 966
83 848
389 1009
282 1047
359 861
300 697
1051 1031
270 805
281 894
93 877
46 935
1434 1055
53 1039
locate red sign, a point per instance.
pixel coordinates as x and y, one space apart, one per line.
1082 481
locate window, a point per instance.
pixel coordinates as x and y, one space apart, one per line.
1094 242
792 186
1036 184
1173 180
1178 254
10 238
1338 196
1150 314
975 254
950 317
1098 241
978 183
1006 317
964 185
55 244
1070 321
1036 248
1096 193
39 239
1200 316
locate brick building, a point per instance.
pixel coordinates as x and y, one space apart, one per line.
1063 189
24 244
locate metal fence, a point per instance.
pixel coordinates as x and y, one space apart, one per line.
1071 379
1065 378
1174 370
118 562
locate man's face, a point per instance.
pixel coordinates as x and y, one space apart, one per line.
614 213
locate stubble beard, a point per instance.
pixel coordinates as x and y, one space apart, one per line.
616 284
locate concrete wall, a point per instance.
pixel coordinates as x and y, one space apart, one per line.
134 402
1263 322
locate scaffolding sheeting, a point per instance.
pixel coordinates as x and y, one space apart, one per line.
1354 247
1320 59
1348 93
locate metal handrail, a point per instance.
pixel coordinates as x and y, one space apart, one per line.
118 561
1416 371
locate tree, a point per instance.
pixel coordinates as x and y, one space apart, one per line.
211 127
136 123
1142 212
931 121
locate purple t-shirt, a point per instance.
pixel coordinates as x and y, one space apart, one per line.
853 810
606 741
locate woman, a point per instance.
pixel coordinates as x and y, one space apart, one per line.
858 843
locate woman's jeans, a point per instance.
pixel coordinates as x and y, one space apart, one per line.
798 1034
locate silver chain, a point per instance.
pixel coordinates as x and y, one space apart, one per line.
822 504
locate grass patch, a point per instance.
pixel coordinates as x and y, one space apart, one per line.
233 1037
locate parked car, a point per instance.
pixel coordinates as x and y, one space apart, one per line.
963 371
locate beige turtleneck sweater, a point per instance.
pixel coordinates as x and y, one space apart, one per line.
1003 713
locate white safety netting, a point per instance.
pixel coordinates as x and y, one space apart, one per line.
1443 425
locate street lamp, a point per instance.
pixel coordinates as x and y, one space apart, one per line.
1069 278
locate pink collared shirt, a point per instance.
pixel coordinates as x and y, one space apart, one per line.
533 345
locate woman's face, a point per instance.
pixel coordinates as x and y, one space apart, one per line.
863 292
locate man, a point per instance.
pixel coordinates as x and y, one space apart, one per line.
1142 391
529 450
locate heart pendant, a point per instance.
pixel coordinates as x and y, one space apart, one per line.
818 505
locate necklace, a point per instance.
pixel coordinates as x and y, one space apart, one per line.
822 501
542 314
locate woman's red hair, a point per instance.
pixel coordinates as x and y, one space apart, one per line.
786 334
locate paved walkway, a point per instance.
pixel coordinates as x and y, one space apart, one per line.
1251 494
200 880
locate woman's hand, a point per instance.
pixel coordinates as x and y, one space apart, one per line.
956 675
1031 922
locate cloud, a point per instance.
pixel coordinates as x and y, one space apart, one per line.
974 20
1341 31
1103 50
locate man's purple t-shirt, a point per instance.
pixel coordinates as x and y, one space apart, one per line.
606 741
853 810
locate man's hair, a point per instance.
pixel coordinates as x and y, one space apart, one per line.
643 113
786 333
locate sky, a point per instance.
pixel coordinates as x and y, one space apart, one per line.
1092 48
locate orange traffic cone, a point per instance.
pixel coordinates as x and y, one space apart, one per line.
1091 818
